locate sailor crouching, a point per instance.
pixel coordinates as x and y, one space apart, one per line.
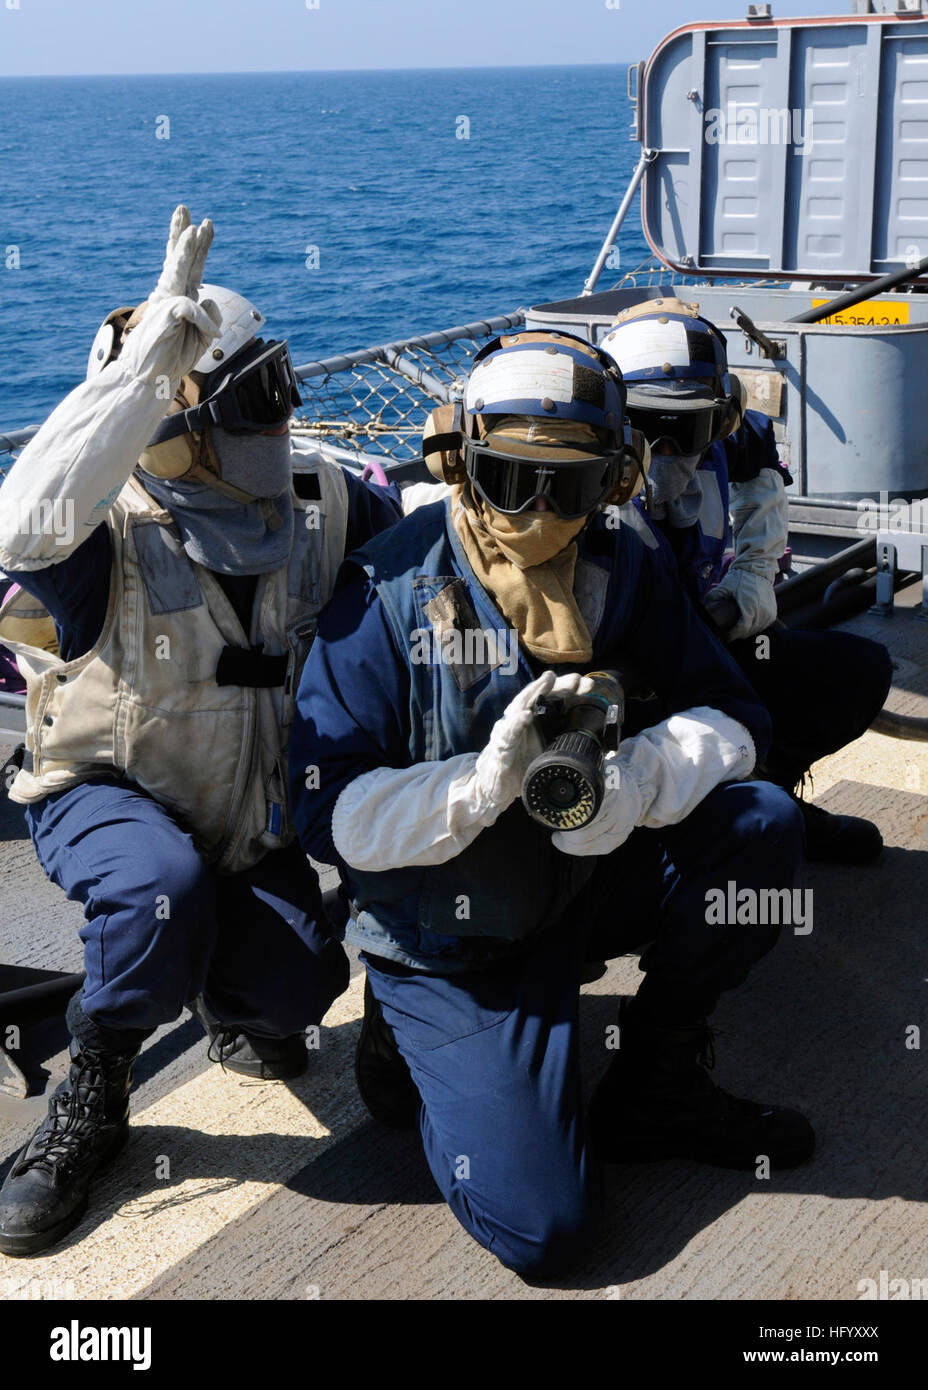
162 643
476 922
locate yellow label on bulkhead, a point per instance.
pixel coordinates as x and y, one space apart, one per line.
870 313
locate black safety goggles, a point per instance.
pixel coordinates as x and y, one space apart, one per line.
258 393
254 392
573 487
691 431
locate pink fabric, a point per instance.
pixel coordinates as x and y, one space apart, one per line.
374 470
10 679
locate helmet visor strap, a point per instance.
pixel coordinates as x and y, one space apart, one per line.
510 483
691 431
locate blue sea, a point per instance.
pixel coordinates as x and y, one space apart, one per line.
416 229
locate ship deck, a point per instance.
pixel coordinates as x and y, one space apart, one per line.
289 1190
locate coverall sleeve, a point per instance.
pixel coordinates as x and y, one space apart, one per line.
675 651
75 592
371 509
352 711
62 485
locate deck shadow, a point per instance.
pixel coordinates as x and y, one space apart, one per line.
12 819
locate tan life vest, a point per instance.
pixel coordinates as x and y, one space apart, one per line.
144 701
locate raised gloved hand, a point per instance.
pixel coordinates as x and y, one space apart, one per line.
760 524
184 257
395 818
89 445
659 776
174 329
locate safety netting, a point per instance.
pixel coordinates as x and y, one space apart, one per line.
377 401
652 273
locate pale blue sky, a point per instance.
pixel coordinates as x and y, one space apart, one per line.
166 36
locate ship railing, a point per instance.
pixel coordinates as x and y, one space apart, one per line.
652 272
370 406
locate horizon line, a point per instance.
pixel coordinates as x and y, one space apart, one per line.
292 72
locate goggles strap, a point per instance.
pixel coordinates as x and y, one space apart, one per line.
189 421
441 443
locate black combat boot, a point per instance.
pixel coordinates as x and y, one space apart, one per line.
657 1101
384 1080
46 1191
830 838
250 1054
834 839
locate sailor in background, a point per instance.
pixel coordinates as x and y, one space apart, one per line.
474 920
181 598
709 458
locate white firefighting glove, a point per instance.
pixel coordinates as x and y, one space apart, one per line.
65 480
394 818
175 330
760 525
659 776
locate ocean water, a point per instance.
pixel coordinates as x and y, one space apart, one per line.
416 229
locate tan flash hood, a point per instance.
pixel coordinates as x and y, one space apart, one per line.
635 475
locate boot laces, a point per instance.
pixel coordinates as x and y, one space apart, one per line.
706 1055
724 1099
222 1043
71 1113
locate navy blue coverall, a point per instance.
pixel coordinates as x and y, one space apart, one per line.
489 1027
822 689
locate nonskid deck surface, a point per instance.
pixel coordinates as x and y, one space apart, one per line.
905 634
280 1190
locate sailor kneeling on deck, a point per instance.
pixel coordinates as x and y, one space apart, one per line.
183 600
710 457
476 922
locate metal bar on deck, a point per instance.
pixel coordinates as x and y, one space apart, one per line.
908 275
418 376
647 157
792 590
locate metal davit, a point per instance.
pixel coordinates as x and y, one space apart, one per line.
784 161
